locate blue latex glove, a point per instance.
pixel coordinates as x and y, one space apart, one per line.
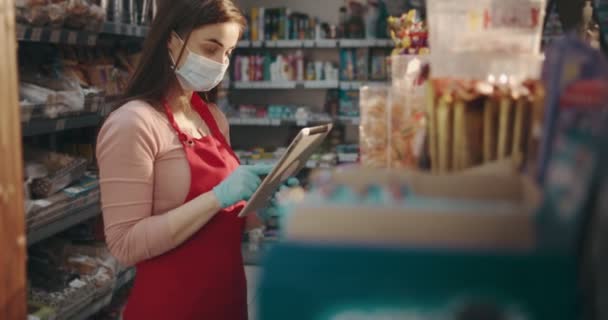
240 184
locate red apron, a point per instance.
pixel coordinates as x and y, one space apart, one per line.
203 278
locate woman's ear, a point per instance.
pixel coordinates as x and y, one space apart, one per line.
175 46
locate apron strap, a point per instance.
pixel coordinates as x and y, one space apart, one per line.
182 136
203 110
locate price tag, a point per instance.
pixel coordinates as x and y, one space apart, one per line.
55 36
42 203
72 37
256 44
275 122
36 34
92 40
301 123
60 125
309 43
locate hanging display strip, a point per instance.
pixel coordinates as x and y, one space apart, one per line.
321 43
70 219
77 37
44 126
37 34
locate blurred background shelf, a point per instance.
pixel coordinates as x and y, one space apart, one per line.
77 37
321 43
321 84
43 125
68 220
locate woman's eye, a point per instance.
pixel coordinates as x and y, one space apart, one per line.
211 50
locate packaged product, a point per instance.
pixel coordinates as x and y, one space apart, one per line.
62 171
485 89
374 102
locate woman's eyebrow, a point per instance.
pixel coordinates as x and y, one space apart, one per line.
219 43
215 41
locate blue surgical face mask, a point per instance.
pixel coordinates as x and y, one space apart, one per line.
198 73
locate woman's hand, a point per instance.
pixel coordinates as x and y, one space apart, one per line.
241 184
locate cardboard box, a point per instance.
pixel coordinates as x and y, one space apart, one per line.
466 211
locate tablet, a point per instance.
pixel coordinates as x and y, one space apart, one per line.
294 159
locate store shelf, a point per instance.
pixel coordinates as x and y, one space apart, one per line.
70 219
44 126
365 43
321 43
322 84
356 85
266 122
77 37
349 120
50 35
95 307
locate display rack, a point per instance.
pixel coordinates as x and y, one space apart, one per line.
319 43
322 84
45 126
69 219
77 37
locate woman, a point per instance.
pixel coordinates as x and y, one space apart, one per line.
171 186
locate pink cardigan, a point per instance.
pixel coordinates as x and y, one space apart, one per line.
143 174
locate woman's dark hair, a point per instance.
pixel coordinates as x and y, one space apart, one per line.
154 74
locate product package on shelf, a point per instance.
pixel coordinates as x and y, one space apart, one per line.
62 170
60 94
65 278
574 136
485 95
76 14
69 201
409 33
375 244
282 67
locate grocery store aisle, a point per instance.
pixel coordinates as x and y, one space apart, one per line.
252 273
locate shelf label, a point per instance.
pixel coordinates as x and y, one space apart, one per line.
60 125
36 34
72 37
275 122
42 203
55 36
243 43
301 123
256 44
